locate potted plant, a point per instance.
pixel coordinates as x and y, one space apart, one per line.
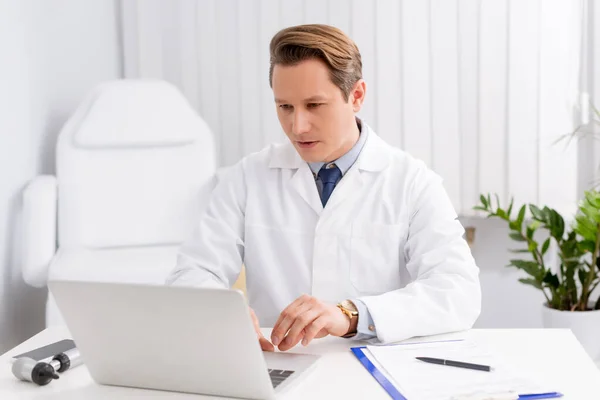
569 286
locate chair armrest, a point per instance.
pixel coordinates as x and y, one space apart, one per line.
39 229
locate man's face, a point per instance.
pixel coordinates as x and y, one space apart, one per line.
312 110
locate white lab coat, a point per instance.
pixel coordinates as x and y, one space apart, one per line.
388 236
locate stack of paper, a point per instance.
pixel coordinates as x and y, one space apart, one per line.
409 378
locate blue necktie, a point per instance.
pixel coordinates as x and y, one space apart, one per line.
329 177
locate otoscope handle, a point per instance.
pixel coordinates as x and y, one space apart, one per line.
64 361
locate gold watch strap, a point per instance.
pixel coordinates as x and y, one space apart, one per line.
346 311
350 315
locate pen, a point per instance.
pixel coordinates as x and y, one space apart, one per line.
459 364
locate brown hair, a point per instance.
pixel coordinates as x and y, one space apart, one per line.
295 44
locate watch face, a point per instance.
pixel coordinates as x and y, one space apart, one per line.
349 305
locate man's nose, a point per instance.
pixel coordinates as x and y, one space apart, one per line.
301 123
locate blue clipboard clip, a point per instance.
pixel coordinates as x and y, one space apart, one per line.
548 395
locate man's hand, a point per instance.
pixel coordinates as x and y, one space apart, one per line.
308 318
265 345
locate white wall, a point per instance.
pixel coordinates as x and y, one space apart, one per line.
479 90
506 303
593 83
51 53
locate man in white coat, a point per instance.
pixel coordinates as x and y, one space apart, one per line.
340 233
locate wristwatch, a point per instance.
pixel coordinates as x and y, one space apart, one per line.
348 308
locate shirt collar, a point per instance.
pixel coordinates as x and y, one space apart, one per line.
347 160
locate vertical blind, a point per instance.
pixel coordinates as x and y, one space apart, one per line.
478 89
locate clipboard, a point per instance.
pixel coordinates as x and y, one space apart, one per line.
379 377
395 394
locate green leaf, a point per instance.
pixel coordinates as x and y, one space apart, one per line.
547 216
532 246
517 236
531 228
519 251
557 230
483 201
502 214
532 282
592 213
536 212
480 208
521 216
593 198
513 225
530 267
535 224
510 206
586 246
545 246
551 279
582 220
585 228
497 200
529 233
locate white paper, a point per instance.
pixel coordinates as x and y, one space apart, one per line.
416 379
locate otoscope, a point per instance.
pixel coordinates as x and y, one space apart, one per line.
42 373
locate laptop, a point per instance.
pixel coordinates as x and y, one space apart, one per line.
191 340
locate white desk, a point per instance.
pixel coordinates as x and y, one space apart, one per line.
554 355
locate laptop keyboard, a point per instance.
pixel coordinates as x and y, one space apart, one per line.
278 376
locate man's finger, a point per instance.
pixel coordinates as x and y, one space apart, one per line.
253 316
265 345
287 317
317 326
324 332
293 305
296 331
255 323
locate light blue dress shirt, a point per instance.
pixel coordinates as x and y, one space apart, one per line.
344 163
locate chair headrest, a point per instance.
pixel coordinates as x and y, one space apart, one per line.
135 113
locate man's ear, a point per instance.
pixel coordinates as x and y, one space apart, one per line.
357 95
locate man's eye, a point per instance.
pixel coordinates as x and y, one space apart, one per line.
285 107
314 105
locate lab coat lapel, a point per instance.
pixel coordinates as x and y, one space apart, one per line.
349 184
374 157
303 182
